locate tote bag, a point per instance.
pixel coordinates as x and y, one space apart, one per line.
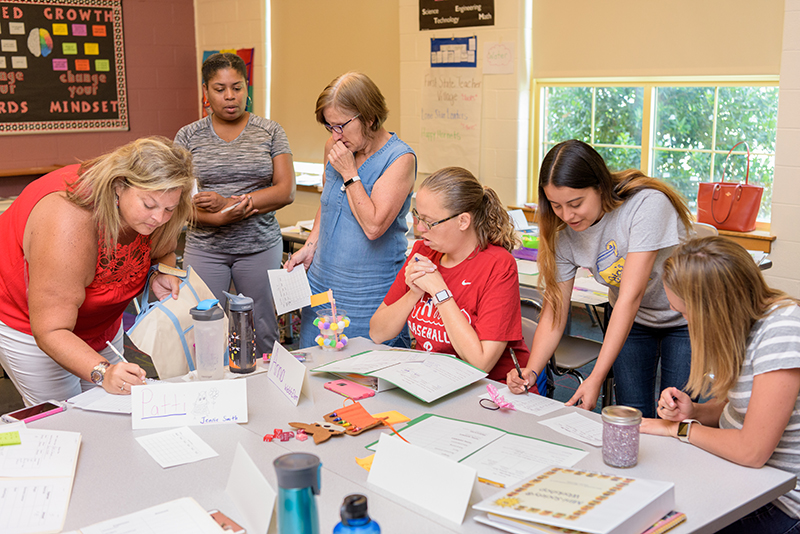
164 329
728 205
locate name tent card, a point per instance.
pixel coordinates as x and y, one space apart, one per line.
288 375
169 404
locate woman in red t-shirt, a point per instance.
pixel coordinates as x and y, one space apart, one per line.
459 289
75 247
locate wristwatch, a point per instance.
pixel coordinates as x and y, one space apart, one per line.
99 372
442 296
350 182
684 427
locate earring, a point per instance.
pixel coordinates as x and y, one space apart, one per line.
249 102
117 201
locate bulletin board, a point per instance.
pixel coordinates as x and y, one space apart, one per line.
62 67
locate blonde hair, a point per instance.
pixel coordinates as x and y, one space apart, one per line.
461 192
357 93
149 164
576 165
724 294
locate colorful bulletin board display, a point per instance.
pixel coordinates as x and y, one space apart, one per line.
62 66
438 14
247 55
454 52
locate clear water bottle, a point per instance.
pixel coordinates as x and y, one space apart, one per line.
241 334
209 340
355 519
298 485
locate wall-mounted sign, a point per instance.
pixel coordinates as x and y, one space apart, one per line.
62 66
454 52
438 14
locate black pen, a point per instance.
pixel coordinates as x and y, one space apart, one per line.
516 364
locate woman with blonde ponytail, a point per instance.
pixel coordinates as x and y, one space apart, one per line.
458 290
620 226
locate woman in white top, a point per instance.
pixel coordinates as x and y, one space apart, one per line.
746 357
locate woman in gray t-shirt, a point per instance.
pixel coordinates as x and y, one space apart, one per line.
746 357
620 226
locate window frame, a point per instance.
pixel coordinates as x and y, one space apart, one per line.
649 85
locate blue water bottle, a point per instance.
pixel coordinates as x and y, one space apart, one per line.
298 483
355 519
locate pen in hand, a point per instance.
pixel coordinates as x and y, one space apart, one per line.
118 353
516 364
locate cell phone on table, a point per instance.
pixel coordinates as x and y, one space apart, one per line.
32 413
227 524
350 389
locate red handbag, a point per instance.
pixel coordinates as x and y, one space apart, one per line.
728 205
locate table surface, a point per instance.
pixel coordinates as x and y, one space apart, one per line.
115 475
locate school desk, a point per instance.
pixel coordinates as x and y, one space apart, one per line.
116 476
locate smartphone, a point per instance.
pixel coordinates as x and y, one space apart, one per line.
227 524
350 389
32 413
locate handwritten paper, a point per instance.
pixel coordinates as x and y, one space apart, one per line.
436 484
43 453
511 458
98 399
250 492
372 360
168 404
34 504
182 516
290 290
437 376
288 374
531 403
176 447
499 57
577 426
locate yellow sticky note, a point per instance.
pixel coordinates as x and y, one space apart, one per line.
60 29
392 417
91 49
12 438
366 463
319 299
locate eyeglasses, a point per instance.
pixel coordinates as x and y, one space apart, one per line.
339 128
430 225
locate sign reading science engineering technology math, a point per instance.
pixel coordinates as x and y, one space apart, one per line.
438 14
62 66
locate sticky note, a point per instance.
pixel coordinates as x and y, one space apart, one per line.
319 299
16 28
91 49
19 62
102 65
69 48
10 438
98 31
392 417
79 29
366 463
60 29
60 64
82 64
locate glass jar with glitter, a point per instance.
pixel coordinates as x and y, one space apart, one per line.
621 435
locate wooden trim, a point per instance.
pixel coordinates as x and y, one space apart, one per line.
310 188
30 171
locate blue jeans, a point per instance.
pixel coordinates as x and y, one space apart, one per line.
636 366
769 519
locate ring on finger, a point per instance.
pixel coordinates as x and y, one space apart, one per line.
122 387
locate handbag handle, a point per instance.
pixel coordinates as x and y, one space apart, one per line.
747 174
715 196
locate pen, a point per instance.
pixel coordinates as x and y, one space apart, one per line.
516 364
118 353
229 208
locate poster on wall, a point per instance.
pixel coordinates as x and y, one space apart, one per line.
247 55
62 67
454 52
450 120
438 14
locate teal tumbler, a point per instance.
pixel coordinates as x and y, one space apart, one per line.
298 485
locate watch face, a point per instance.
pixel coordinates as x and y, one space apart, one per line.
683 429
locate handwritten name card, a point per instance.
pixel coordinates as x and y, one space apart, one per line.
288 374
210 402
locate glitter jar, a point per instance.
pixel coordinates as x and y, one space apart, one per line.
621 435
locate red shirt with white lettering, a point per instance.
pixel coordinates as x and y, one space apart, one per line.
486 288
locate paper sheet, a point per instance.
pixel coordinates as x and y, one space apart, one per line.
176 447
437 376
34 505
531 403
577 426
373 360
98 399
183 516
511 458
43 453
448 437
290 290
250 492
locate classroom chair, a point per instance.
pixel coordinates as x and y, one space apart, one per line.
704 230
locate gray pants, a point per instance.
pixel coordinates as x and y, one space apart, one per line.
249 275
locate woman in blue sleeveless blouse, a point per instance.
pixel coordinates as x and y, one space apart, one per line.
358 242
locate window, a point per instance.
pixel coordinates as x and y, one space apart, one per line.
680 132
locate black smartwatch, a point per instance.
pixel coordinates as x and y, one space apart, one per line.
350 182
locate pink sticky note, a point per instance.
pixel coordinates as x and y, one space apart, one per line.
60 64
79 29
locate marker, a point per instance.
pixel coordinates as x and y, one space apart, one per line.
516 364
118 353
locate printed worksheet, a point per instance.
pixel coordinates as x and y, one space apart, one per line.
43 453
532 403
176 447
437 376
290 290
34 505
183 516
577 426
511 458
370 361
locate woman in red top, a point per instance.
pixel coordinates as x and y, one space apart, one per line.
75 248
459 289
